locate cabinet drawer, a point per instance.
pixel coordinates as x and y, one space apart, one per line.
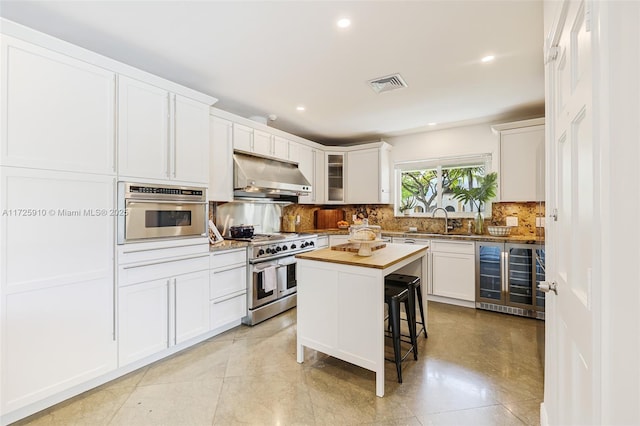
466 247
227 281
132 274
228 258
227 309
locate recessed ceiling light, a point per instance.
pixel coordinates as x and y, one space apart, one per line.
431 124
343 22
488 58
300 108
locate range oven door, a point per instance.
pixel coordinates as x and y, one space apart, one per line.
162 219
264 283
287 280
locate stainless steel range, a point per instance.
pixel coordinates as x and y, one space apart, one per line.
272 273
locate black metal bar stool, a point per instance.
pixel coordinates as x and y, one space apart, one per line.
393 296
412 283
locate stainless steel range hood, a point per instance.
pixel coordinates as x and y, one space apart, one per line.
260 177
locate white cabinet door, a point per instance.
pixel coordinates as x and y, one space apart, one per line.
143 318
522 164
220 160
307 165
143 130
242 138
262 143
191 145
228 309
280 148
385 175
56 282
191 305
294 151
57 113
363 176
453 269
335 177
226 281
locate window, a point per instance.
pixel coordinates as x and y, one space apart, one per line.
422 186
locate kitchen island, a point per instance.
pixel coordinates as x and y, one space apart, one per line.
341 302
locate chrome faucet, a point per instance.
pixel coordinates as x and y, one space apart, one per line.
446 218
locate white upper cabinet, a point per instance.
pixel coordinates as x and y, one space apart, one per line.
57 112
221 160
307 166
242 138
191 141
281 148
368 176
161 135
143 129
522 161
260 142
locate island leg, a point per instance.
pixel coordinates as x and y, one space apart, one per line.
300 353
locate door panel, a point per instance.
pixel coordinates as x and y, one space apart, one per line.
570 370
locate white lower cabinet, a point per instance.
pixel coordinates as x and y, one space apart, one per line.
334 240
167 308
227 288
453 269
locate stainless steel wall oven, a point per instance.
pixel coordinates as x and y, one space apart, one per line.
160 212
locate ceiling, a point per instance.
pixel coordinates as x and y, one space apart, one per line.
268 57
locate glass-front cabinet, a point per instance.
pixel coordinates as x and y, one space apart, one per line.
335 177
508 275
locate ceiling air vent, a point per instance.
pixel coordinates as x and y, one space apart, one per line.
385 84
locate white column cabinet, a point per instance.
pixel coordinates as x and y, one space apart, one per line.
57 112
56 283
220 160
161 135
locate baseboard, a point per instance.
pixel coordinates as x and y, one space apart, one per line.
544 419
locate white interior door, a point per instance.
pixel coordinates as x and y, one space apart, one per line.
571 364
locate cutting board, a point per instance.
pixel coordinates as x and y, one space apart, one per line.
355 247
328 218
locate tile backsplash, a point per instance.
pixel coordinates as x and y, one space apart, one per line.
383 215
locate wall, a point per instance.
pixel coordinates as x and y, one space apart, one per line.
383 215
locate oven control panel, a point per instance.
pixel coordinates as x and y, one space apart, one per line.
278 248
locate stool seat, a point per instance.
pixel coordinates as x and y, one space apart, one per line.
393 296
412 283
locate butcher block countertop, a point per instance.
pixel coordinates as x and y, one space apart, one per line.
379 259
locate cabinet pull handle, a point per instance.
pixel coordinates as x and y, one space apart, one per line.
175 312
168 313
232 296
158 262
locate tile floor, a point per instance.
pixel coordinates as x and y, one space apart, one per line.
476 368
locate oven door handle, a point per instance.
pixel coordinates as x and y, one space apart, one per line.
286 262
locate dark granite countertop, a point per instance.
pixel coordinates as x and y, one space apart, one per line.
459 237
227 245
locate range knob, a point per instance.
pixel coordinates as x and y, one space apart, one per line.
269 250
284 248
303 245
311 243
293 246
260 252
278 249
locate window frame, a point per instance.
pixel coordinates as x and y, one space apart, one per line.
439 164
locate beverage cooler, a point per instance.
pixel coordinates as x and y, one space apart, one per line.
507 278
